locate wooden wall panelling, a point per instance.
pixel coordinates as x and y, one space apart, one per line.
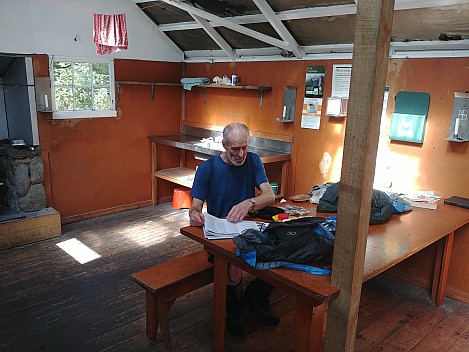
102 165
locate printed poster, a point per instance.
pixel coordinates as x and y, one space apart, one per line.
311 113
312 103
314 84
341 75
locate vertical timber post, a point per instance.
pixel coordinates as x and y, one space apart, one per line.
369 68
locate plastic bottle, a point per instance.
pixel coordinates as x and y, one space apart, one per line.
234 79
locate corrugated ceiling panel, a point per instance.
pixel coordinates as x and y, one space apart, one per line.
163 13
241 41
284 5
325 30
427 24
196 39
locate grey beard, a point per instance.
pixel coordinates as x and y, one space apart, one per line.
233 161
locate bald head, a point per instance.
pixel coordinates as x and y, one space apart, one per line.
236 143
235 131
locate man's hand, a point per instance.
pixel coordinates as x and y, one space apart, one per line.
239 211
196 218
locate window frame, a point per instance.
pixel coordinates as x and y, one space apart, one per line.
84 114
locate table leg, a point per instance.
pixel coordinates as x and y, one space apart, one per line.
219 303
283 181
154 165
308 326
440 274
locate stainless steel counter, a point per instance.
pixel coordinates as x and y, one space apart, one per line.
210 147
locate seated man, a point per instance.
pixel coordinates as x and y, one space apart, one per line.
227 182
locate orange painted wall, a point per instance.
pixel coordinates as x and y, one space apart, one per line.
228 105
437 164
103 165
434 165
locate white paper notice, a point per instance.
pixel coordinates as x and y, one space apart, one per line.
311 113
341 80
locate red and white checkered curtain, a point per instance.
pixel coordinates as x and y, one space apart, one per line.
109 33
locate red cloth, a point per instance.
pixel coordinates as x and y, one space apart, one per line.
109 33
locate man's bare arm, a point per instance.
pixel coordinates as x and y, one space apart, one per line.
195 213
240 210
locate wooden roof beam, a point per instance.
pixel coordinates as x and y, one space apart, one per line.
226 23
279 27
217 38
313 12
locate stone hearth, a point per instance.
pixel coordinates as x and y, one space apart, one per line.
22 174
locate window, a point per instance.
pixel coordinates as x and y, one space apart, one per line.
82 89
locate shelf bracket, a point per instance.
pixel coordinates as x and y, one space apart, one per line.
261 91
205 95
118 90
152 92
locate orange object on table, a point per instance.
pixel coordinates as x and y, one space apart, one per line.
181 198
282 216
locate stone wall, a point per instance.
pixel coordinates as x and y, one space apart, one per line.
22 172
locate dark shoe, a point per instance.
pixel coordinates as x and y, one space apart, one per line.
234 301
235 326
266 315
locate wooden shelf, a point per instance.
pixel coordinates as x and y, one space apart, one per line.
180 175
148 83
260 89
152 84
457 140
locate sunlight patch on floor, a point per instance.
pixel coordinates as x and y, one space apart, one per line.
149 235
153 231
78 250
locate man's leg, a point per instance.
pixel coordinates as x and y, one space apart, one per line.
234 301
256 298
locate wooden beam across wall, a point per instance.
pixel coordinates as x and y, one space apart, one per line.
369 66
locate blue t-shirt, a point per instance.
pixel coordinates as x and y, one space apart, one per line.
226 185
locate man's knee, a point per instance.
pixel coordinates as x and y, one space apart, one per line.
235 275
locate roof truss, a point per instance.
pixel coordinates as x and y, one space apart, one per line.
276 48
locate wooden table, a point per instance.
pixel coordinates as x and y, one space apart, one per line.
408 233
388 244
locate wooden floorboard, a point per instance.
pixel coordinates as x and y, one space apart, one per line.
51 302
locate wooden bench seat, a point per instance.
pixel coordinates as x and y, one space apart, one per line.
165 282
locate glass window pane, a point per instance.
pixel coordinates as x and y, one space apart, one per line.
101 74
82 74
62 73
83 99
63 99
102 99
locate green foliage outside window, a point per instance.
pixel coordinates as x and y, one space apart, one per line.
81 86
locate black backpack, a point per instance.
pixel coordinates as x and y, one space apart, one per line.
299 241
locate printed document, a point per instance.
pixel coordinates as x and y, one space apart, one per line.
216 228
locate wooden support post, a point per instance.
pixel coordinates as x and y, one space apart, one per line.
369 68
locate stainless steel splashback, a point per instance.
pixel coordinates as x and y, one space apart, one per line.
257 142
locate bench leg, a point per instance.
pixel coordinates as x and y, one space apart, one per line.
152 315
158 314
163 317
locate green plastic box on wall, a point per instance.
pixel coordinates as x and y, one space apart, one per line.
409 117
